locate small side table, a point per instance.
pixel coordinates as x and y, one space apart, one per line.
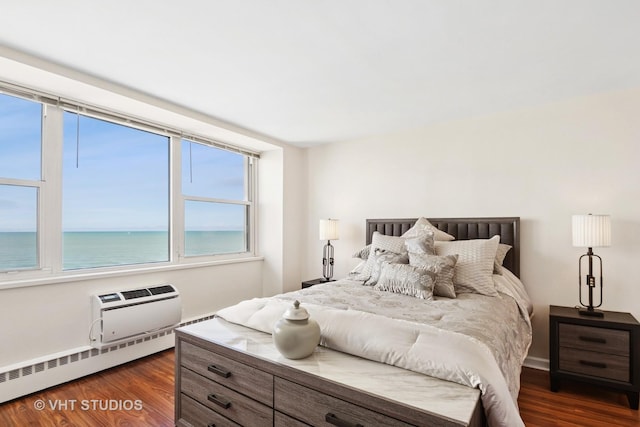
309 283
604 351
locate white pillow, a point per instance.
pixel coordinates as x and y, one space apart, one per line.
355 271
363 253
501 253
388 243
423 224
474 269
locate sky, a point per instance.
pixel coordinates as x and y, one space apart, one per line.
115 178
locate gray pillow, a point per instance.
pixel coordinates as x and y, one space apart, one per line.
407 280
423 224
442 267
421 244
380 256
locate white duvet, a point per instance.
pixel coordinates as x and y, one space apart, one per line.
394 329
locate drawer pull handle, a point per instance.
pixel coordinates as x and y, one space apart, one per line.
593 339
220 371
594 364
218 401
333 420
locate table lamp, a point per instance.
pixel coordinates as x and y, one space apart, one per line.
590 231
328 232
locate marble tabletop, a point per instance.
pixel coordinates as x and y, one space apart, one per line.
444 398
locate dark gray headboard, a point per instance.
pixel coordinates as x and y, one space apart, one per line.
508 228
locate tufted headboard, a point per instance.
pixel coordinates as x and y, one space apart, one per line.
508 228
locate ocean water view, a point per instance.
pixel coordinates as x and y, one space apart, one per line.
87 249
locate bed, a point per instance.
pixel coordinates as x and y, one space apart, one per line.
397 347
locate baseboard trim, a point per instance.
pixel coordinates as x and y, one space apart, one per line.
31 376
537 363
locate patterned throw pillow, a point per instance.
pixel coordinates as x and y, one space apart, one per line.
393 244
380 257
407 280
474 269
422 244
423 224
442 267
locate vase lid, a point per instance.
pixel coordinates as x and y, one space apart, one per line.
296 312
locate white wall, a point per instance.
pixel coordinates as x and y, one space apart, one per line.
41 320
42 323
542 164
294 217
281 215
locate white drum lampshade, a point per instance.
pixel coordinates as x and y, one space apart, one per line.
591 231
329 229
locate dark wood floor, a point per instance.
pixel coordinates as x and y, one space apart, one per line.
144 391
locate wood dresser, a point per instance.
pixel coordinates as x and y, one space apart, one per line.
599 350
229 375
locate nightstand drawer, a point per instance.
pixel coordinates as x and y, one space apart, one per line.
594 364
603 340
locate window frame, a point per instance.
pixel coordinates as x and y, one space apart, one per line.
248 203
50 187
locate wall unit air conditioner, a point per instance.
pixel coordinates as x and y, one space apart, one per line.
126 315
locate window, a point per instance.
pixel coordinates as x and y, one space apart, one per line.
18 227
20 182
115 194
216 200
84 189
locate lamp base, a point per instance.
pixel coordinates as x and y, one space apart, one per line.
591 313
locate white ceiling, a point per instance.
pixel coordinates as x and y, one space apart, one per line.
308 72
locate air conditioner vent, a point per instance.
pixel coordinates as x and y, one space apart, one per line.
138 293
157 290
121 316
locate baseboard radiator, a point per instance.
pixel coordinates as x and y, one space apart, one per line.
126 315
38 374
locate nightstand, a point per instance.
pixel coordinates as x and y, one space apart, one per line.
604 351
309 283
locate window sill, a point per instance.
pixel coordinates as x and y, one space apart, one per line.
76 276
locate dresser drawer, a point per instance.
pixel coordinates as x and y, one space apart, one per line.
231 404
198 415
594 364
590 338
237 376
315 408
282 420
